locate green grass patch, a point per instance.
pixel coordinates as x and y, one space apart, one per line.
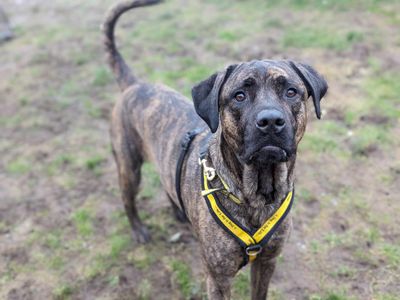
101 263
151 181
144 290
119 243
80 58
326 137
55 262
382 94
101 76
58 164
83 221
18 166
386 296
331 296
142 257
63 292
98 266
93 163
317 37
315 247
67 93
11 121
183 278
334 239
229 36
241 285
344 272
330 5
53 240
93 110
368 137
392 254
52 34
304 194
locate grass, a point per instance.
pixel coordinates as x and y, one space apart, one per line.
144 290
229 36
10 121
241 285
93 163
101 76
382 93
334 239
83 221
18 166
392 254
98 266
386 296
344 272
326 137
331 5
59 163
91 108
330 296
304 194
142 258
150 182
110 255
312 37
53 240
56 262
63 292
119 243
183 278
369 137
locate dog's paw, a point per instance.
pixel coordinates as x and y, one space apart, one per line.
141 235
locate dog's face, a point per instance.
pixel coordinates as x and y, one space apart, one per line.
260 107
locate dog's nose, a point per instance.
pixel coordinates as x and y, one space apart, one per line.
270 120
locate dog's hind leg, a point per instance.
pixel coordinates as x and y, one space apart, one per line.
129 161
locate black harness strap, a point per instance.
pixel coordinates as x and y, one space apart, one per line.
185 145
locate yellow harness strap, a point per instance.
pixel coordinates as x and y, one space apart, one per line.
252 242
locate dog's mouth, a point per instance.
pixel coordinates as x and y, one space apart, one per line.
267 154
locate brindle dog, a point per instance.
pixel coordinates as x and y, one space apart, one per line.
256 116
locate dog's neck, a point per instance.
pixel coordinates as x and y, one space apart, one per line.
261 188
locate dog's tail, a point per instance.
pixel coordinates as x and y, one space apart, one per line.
122 72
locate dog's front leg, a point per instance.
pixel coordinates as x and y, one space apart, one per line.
218 287
261 273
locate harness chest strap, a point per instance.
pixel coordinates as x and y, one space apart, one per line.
251 241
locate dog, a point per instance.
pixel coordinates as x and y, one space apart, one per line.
249 120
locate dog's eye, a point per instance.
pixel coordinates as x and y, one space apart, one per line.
240 96
290 93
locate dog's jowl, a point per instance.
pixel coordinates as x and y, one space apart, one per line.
235 180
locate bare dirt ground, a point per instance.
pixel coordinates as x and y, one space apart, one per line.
63 232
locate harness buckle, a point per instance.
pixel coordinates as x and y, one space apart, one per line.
208 171
253 250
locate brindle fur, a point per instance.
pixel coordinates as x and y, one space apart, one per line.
147 124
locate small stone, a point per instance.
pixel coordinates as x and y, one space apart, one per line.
175 238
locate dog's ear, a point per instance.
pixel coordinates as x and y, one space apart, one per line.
206 97
314 82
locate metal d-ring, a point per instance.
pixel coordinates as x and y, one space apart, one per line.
253 250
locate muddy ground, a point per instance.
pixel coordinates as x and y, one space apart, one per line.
63 232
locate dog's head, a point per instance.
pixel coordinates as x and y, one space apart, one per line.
260 107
